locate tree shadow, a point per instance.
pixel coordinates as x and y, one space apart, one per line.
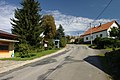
95 61
109 63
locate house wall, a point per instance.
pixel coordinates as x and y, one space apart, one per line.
95 35
7 53
104 33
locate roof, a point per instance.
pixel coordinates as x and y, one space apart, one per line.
7 40
99 28
7 35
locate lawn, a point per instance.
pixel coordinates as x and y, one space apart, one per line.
33 55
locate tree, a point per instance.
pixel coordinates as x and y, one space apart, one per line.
60 32
68 38
48 24
115 32
26 23
61 36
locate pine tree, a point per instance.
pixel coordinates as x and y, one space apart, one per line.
60 32
26 23
61 36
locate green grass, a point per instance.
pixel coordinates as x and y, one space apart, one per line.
111 49
34 55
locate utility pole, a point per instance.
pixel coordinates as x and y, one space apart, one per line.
91 34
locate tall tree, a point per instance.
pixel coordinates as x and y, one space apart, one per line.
61 36
26 23
49 26
60 32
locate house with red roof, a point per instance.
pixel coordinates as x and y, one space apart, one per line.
103 30
7 41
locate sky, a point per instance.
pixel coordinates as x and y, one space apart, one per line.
73 15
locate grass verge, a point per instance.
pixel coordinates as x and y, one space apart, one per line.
34 55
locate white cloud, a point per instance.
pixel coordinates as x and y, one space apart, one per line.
69 23
73 23
6 12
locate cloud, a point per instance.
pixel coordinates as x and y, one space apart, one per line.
6 12
73 23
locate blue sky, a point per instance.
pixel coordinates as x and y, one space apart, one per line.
74 15
83 8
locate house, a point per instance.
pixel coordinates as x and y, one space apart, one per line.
7 41
103 30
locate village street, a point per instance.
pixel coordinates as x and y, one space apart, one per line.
78 62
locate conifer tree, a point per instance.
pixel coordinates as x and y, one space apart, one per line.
26 23
60 32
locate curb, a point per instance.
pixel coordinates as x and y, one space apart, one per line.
5 69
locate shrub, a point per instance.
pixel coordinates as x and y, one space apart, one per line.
50 44
24 50
62 42
113 59
104 42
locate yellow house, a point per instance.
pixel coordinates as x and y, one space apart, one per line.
7 41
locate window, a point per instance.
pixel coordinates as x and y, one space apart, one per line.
100 35
96 36
86 38
91 37
4 47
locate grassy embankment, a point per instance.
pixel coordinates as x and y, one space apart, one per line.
33 55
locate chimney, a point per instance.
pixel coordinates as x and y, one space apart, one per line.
100 24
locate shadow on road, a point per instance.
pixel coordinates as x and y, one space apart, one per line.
95 61
108 64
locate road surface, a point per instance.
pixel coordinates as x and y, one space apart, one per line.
78 62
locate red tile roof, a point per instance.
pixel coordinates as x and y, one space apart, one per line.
100 28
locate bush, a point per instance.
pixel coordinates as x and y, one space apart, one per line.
102 43
113 59
50 44
62 42
24 50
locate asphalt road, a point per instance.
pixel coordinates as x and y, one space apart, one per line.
78 62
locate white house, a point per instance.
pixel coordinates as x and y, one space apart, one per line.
102 30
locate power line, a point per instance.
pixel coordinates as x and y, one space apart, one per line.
103 10
100 13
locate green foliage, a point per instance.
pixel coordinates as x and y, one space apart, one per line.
61 36
113 61
26 23
48 24
68 38
104 42
62 42
27 26
24 50
50 44
78 41
33 55
60 32
115 32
